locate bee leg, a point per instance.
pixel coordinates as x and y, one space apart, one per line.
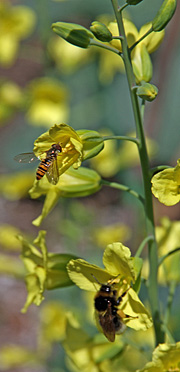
119 299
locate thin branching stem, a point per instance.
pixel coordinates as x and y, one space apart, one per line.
121 187
123 138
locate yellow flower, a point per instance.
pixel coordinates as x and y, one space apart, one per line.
14 357
75 146
47 101
73 183
61 52
113 158
10 99
87 354
45 270
107 234
11 266
69 141
53 323
168 238
111 63
8 237
166 358
107 161
120 268
166 185
16 24
16 186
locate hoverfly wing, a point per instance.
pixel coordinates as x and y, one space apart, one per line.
53 172
27 157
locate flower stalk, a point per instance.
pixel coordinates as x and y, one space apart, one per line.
152 244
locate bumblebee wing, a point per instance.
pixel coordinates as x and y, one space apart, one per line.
53 172
27 157
107 325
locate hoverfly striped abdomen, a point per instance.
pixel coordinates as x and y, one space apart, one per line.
43 167
48 166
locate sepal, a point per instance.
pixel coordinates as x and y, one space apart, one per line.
92 142
100 31
73 33
164 15
147 91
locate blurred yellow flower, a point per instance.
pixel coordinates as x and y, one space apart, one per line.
166 358
107 161
112 233
168 238
113 158
128 152
47 102
8 237
166 185
14 356
61 52
87 354
141 61
16 186
52 324
110 63
16 24
11 266
10 99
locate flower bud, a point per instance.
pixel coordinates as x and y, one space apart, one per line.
142 65
133 2
100 31
147 91
92 142
73 33
164 15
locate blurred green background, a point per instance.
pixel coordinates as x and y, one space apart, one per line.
95 105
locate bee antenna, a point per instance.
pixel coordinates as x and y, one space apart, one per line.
96 279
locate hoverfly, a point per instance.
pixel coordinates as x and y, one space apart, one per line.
47 166
110 317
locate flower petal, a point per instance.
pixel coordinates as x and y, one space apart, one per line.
165 187
132 306
82 274
118 261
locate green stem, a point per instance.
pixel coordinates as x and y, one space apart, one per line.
142 38
121 187
172 289
158 169
94 42
123 7
117 37
143 244
161 259
152 245
125 138
143 108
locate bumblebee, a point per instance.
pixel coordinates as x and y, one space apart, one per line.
110 318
